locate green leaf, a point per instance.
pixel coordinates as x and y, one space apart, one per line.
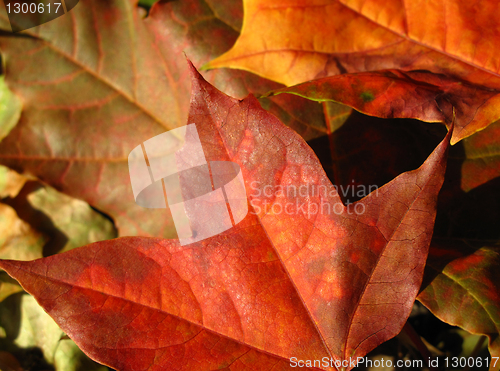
10 109
75 218
461 287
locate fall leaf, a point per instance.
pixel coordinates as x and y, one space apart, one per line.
17 241
75 219
67 222
362 150
460 285
294 41
75 93
462 288
481 158
205 29
370 150
416 94
305 283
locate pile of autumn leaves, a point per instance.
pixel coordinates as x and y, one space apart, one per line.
277 286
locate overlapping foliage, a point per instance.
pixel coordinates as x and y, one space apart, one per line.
83 90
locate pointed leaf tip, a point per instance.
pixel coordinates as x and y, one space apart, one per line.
193 70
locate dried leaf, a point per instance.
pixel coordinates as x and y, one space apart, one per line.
418 95
74 218
205 29
17 241
481 159
10 182
27 326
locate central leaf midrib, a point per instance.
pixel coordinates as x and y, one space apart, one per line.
292 282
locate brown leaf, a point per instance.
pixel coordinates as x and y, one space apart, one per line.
10 182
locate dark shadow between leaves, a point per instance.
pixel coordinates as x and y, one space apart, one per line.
37 219
369 151
31 358
465 221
